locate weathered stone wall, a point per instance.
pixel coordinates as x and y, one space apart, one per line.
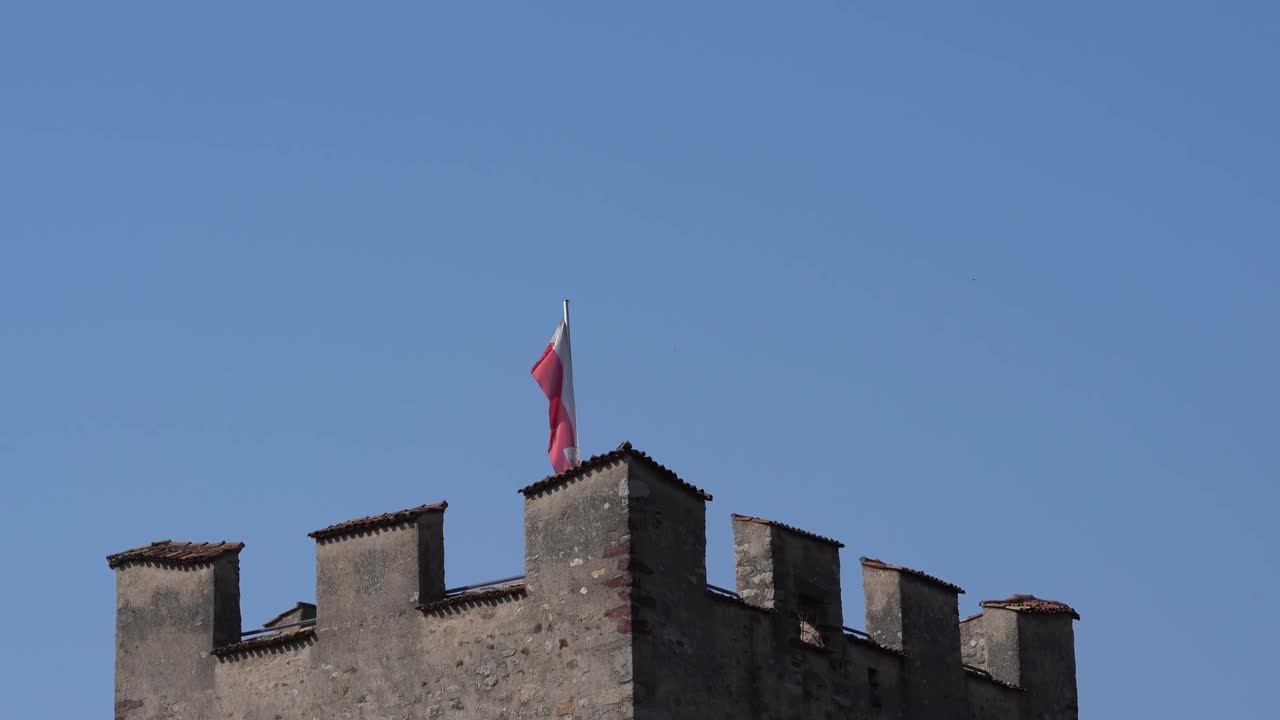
990 700
875 680
612 621
167 621
668 556
973 642
1036 651
271 684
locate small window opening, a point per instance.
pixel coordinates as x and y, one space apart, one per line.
873 683
809 615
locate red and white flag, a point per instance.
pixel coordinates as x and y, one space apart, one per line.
554 373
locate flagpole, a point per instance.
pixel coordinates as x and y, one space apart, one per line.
577 435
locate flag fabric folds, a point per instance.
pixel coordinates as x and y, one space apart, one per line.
554 374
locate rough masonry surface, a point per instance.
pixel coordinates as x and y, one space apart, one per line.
612 619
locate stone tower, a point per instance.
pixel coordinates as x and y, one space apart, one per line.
612 619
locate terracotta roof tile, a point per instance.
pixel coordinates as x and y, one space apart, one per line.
606 459
789 528
1032 604
174 554
306 608
872 562
488 595
289 637
372 522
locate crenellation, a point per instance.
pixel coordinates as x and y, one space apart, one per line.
918 614
612 620
1030 643
379 565
793 571
175 603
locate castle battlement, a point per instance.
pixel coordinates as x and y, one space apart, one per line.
613 618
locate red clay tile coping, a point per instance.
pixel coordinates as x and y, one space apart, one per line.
1032 604
373 522
266 641
980 673
174 554
874 645
872 562
789 528
298 606
497 593
606 459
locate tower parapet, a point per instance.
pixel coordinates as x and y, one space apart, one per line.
612 620
378 565
1030 643
175 603
917 613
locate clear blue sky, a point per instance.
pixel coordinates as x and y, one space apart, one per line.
985 289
